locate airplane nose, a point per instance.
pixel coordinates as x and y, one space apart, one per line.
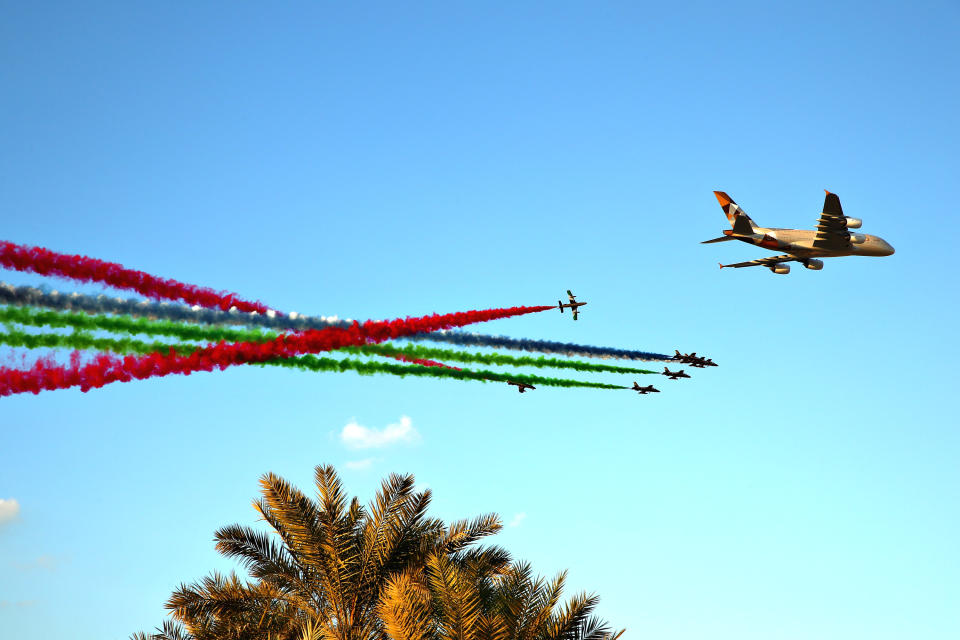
889 248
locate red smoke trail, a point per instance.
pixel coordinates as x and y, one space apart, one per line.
105 369
50 263
421 361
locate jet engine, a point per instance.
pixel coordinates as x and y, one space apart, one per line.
780 268
813 264
857 238
854 223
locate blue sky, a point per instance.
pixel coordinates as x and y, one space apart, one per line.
382 160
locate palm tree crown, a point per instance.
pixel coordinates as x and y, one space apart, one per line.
332 569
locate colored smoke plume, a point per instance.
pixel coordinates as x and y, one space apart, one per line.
104 369
34 296
540 346
81 341
402 357
412 352
103 304
85 269
316 363
126 324
418 351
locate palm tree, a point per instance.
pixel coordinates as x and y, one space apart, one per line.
332 569
327 566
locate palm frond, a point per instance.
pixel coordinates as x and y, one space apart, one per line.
457 600
463 533
569 623
406 610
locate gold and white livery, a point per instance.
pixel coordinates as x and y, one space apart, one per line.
832 237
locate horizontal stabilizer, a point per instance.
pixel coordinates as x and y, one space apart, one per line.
720 239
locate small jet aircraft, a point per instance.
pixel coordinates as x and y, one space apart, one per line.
573 304
702 363
644 390
693 359
832 237
522 386
674 375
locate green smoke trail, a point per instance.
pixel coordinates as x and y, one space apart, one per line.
78 340
17 338
317 363
128 324
416 351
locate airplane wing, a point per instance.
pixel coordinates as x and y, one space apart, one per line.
571 296
832 232
763 262
575 314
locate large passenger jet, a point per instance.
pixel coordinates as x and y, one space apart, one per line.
831 239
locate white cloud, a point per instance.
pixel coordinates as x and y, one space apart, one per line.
9 509
356 436
517 519
359 465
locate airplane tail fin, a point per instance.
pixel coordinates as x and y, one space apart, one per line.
560 304
735 214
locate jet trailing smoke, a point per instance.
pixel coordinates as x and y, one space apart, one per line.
295 322
104 369
85 269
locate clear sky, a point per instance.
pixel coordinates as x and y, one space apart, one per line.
393 159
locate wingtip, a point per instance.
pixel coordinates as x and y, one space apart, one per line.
827 192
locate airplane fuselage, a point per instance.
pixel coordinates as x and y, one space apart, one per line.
800 243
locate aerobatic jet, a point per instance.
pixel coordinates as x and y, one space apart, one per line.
693 359
522 386
573 304
674 375
706 362
832 237
644 390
